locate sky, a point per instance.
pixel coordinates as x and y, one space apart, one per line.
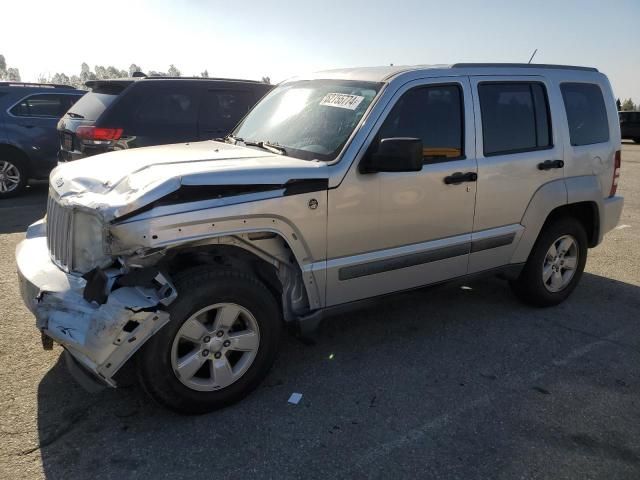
280 39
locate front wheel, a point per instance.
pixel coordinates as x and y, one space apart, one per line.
220 342
555 264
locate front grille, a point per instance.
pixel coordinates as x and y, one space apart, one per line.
59 233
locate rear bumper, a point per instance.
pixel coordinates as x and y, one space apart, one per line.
101 338
611 212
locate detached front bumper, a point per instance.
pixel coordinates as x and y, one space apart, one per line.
101 338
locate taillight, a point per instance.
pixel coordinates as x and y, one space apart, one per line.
98 133
616 173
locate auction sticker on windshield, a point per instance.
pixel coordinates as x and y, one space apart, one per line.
342 100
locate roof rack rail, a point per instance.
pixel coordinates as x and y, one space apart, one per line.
523 65
148 77
29 84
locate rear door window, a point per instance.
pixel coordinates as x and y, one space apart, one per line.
222 109
586 113
46 105
166 106
515 117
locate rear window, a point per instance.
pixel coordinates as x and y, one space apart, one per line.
92 105
586 113
515 117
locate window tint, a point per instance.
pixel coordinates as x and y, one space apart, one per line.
44 105
515 117
91 106
586 113
168 107
432 114
221 110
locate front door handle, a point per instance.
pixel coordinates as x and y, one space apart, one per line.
459 177
549 164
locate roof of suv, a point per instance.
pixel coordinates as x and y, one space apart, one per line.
386 73
34 86
128 80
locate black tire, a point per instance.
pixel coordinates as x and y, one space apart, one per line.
636 140
19 165
530 287
198 288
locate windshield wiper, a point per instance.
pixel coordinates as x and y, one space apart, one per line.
75 115
226 139
270 147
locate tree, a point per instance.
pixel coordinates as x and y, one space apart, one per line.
266 80
133 68
10 74
173 71
205 74
153 73
628 105
618 104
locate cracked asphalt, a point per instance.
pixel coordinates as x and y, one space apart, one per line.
438 383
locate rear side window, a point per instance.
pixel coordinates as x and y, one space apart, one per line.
44 105
91 106
433 114
586 113
221 110
515 117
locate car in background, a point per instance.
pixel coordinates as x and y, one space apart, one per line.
630 125
142 111
29 113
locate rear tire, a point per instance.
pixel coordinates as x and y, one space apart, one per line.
555 264
13 176
196 364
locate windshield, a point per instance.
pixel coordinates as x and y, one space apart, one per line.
310 119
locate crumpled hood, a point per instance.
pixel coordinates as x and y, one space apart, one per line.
118 183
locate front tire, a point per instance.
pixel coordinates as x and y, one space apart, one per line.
219 344
555 264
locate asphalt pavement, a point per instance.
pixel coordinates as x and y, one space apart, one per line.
448 382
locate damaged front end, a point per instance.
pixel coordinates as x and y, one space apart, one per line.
101 318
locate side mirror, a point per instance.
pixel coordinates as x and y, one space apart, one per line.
395 155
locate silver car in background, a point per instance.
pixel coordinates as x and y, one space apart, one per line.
336 188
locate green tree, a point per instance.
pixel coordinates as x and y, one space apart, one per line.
628 105
618 104
133 68
10 74
266 80
173 71
205 74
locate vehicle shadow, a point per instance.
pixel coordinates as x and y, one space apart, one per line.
16 214
415 367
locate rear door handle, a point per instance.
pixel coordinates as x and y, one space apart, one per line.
458 177
549 164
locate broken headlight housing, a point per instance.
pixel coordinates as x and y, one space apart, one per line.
88 242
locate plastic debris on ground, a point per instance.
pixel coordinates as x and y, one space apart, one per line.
295 398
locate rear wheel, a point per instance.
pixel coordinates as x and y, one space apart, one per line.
220 343
555 264
13 177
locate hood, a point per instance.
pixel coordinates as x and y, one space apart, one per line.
118 183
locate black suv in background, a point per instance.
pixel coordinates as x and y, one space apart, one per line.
139 112
630 125
29 113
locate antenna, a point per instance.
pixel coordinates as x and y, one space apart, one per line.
533 55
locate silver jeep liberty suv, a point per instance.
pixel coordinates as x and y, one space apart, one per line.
337 187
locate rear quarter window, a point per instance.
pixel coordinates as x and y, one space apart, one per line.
586 113
92 104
